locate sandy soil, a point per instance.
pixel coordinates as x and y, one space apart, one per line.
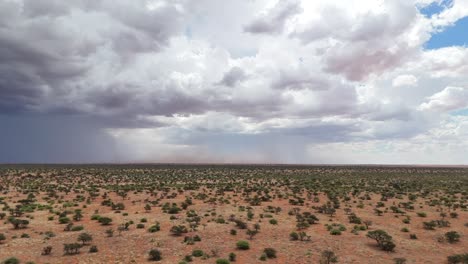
132 246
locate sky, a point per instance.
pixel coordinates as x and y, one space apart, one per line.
246 81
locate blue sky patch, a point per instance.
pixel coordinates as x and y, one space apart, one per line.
456 35
462 112
435 8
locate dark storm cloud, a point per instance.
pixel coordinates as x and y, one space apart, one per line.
172 101
18 92
274 19
125 99
48 50
114 98
57 96
79 59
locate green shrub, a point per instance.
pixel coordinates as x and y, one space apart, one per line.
452 236
422 214
154 228
459 258
95 217
71 248
93 249
188 258
294 236
197 253
77 228
328 256
222 261
64 220
384 240
453 214
178 230
242 245
270 252
399 260
155 255
105 220
11 260
388 246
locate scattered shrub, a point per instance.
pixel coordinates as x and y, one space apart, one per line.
155 255
242 245
197 253
93 249
270 252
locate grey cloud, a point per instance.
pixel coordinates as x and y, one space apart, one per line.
112 98
18 91
356 61
45 68
126 105
147 26
298 80
35 8
401 113
233 76
47 49
274 19
268 107
169 102
340 100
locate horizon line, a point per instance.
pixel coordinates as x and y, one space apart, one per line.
236 164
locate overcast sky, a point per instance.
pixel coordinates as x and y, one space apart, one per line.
259 81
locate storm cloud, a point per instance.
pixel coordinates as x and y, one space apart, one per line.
235 81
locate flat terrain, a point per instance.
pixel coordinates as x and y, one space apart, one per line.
299 211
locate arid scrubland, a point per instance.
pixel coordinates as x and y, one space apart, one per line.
233 214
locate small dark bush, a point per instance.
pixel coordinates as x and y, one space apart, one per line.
243 245
155 255
270 252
